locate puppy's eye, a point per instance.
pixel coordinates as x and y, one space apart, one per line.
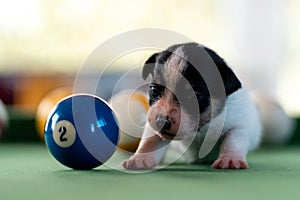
155 91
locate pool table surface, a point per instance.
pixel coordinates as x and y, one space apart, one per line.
28 171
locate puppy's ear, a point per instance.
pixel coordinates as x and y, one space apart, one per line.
230 80
149 66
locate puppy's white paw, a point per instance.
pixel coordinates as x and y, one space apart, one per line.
140 162
230 161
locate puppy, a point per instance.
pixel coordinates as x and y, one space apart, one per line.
198 101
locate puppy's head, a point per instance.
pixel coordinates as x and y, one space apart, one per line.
184 86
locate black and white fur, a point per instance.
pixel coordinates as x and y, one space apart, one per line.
182 107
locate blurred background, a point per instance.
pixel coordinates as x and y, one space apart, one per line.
43 43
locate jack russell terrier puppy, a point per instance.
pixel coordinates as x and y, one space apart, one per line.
197 100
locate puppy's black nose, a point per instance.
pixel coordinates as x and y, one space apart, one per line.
163 123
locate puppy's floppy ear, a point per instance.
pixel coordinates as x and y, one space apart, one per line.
230 80
149 66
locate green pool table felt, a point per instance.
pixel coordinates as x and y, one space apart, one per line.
28 171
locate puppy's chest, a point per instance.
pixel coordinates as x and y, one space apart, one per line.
191 150
209 138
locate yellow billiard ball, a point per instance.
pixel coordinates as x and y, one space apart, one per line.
45 106
130 108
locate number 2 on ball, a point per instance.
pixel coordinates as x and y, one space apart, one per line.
62 130
64 133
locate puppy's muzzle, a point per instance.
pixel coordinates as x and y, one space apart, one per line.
165 121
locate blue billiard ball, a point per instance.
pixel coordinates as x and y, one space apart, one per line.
81 131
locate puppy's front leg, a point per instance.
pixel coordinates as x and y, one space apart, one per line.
150 151
233 150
